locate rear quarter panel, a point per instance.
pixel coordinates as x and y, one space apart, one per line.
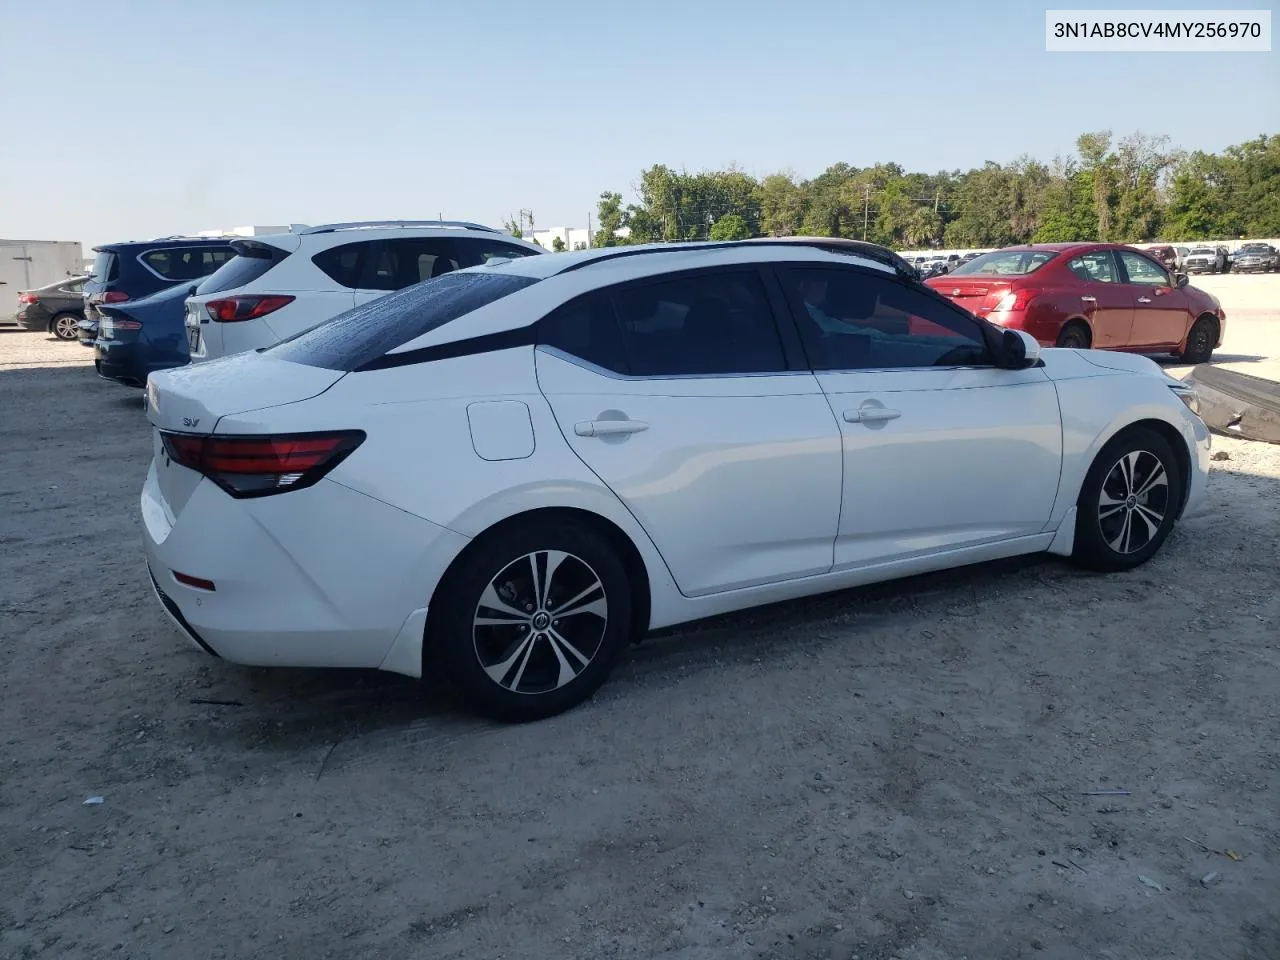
419 455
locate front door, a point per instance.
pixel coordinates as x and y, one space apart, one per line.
942 450
1104 300
679 396
1160 315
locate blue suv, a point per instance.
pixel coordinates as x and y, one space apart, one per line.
132 270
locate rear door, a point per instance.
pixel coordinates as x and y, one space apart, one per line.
399 262
1101 298
1161 314
679 394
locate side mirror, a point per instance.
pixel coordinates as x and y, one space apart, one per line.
1019 350
1181 280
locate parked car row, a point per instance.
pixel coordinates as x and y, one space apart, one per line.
506 473
156 305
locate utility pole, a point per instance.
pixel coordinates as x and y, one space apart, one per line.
866 208
936 197
589 228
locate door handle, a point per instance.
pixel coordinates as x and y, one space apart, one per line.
608 428
1089 299
871 415
1144 299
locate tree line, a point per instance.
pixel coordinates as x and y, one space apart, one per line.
1134 189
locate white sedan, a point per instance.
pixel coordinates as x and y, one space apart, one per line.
509 472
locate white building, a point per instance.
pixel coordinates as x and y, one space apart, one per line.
242 232
571 237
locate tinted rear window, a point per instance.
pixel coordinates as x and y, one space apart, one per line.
104 267
352 339
1005 263
253 260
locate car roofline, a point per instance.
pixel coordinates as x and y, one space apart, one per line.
867 251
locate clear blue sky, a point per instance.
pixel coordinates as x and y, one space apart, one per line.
150 117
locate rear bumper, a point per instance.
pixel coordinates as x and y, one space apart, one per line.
32 316
130 362
321 577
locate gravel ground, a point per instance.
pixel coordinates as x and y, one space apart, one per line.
905 771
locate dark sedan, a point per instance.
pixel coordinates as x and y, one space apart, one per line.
137 338
56 307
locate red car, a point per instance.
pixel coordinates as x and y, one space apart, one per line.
1102 295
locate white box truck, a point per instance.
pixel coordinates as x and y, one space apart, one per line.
27 264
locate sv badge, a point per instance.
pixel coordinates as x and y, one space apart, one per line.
191 421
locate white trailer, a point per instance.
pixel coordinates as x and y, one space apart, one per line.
27 264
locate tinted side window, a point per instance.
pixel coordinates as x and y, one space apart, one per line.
854 320
1143 271
401 263
587 328
186 263
342 264
709 323
74 288
474 252
1096 267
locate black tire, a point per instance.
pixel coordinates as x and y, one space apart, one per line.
535 684
63 326
1115 529
1075 335
1201 340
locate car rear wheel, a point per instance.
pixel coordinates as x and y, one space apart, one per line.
1201 340
531 620
63 326
1075 336
1128 503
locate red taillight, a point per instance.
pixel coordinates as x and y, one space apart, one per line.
1013 300
260 465
113 296
122 324
245 307
27 298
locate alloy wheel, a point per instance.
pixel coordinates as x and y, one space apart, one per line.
1134 501
540 622
65 328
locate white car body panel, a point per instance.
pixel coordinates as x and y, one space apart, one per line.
713 451
317 297
901 502
740 491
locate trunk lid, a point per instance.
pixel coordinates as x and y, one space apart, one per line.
194 399
976 294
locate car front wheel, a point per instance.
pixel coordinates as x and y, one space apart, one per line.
531 620
1128 503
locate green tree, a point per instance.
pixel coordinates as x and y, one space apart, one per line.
610 217
731 227
782 205
557 244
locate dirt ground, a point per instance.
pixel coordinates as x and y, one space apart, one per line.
914 771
